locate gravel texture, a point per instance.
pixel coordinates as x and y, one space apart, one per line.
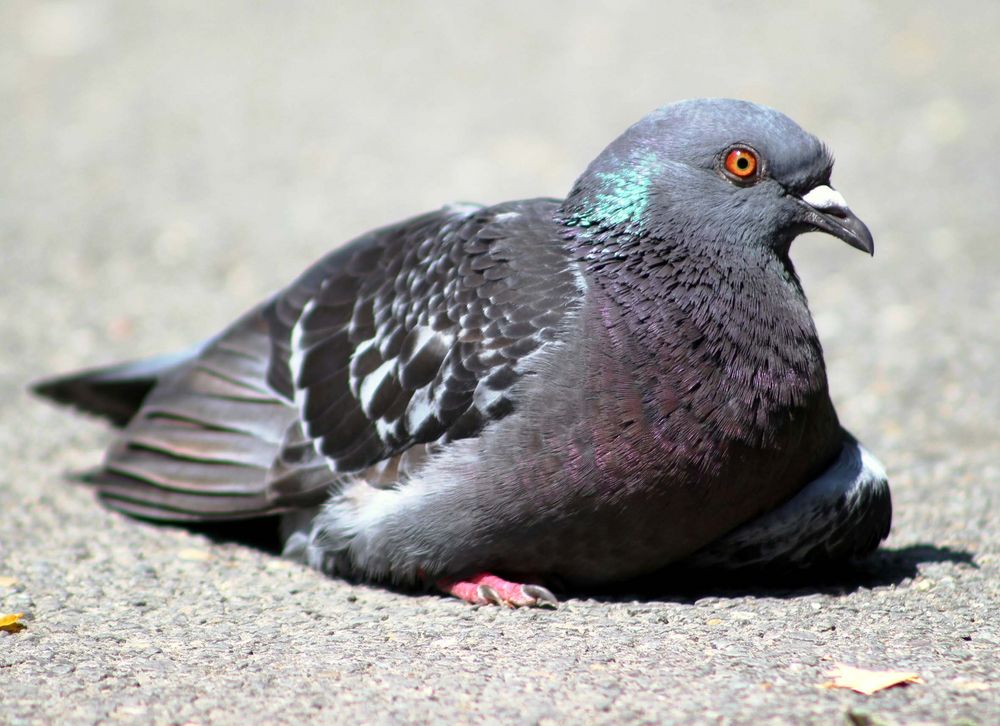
165 165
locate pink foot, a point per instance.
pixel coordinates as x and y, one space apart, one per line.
487 589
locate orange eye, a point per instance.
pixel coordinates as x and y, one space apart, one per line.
741 163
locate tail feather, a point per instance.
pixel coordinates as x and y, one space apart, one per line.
203 438
115 392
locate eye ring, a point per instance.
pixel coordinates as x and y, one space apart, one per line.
741 164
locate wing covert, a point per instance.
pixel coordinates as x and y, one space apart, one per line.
419 334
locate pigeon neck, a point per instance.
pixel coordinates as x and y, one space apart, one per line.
730 321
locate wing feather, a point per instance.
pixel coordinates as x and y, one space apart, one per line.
380 354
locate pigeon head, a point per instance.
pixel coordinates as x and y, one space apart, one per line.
714 170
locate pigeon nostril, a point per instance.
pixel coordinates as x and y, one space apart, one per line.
827 200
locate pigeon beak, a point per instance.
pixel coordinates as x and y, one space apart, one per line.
828 212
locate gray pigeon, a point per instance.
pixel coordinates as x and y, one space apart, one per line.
496 399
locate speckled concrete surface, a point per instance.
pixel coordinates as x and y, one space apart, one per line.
165 165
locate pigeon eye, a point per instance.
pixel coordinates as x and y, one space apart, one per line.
741 163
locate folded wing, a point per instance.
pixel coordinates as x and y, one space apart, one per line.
404 340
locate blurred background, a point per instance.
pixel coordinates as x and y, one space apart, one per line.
165 165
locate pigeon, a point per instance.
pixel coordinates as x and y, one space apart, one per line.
499 401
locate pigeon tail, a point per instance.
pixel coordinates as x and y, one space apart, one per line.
115 392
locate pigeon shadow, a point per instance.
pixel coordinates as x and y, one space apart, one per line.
884 567
262 533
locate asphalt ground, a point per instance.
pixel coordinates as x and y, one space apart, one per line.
163 166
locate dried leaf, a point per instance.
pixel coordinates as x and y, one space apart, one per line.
7 581
868 682
12 623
